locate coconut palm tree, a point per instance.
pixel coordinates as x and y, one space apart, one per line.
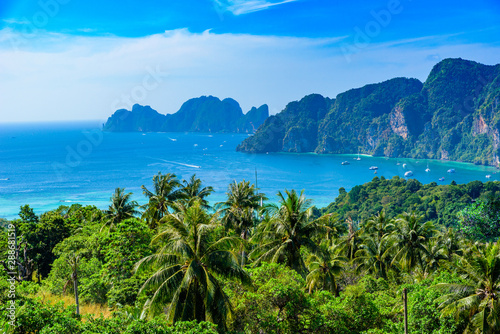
378 226
408 240
121 208
452 241
374 256
193 190
352 240
239 211
74 262
322 270
289 228
166 190
478 299
187 265
435 253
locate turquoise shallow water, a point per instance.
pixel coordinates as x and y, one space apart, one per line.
47 165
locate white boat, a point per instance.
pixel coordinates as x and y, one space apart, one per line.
451 170
358 157
373 168
408 173
404 165
346 163
488 176
427 170
441 179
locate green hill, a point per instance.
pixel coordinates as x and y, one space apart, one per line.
438 203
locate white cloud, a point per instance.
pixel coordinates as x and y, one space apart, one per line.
239 7
16 21
65 77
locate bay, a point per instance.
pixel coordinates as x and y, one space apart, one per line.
52 164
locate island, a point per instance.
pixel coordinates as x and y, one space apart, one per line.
202 114
453 115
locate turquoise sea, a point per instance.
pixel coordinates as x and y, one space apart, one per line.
47 165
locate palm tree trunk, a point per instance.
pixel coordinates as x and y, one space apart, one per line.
405 297
75 284
243 254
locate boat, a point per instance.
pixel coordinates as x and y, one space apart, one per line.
451 170
404 165
346 163
441 179
375 172
427 170
373 168
408 173
488 176
358 157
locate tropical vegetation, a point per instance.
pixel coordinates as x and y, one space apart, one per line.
177 264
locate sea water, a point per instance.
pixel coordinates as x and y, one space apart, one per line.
48 165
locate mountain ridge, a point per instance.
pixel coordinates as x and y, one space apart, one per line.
453 115
202 114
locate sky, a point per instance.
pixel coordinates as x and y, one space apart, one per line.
65 60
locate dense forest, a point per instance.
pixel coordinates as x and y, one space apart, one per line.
180 265
453 115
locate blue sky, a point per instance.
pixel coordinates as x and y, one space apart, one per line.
75 59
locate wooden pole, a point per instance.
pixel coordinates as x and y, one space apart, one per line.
405 299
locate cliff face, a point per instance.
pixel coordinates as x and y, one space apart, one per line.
203 114
251 121
295 129
454 115
140 118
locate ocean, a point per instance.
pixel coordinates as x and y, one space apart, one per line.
52 164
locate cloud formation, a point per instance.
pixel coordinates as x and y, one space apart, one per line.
240 7
65 77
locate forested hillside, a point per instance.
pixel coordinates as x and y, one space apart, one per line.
454 115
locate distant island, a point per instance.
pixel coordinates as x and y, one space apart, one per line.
203 114
454 115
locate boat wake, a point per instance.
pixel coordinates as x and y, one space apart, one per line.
177 163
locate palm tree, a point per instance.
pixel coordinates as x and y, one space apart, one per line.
322 271
121 208
374 256
186 267
478 299
241 198
166 190
435 253
378 226
352 239
192 190
74 262
289 228
239 211
408 240
452 241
